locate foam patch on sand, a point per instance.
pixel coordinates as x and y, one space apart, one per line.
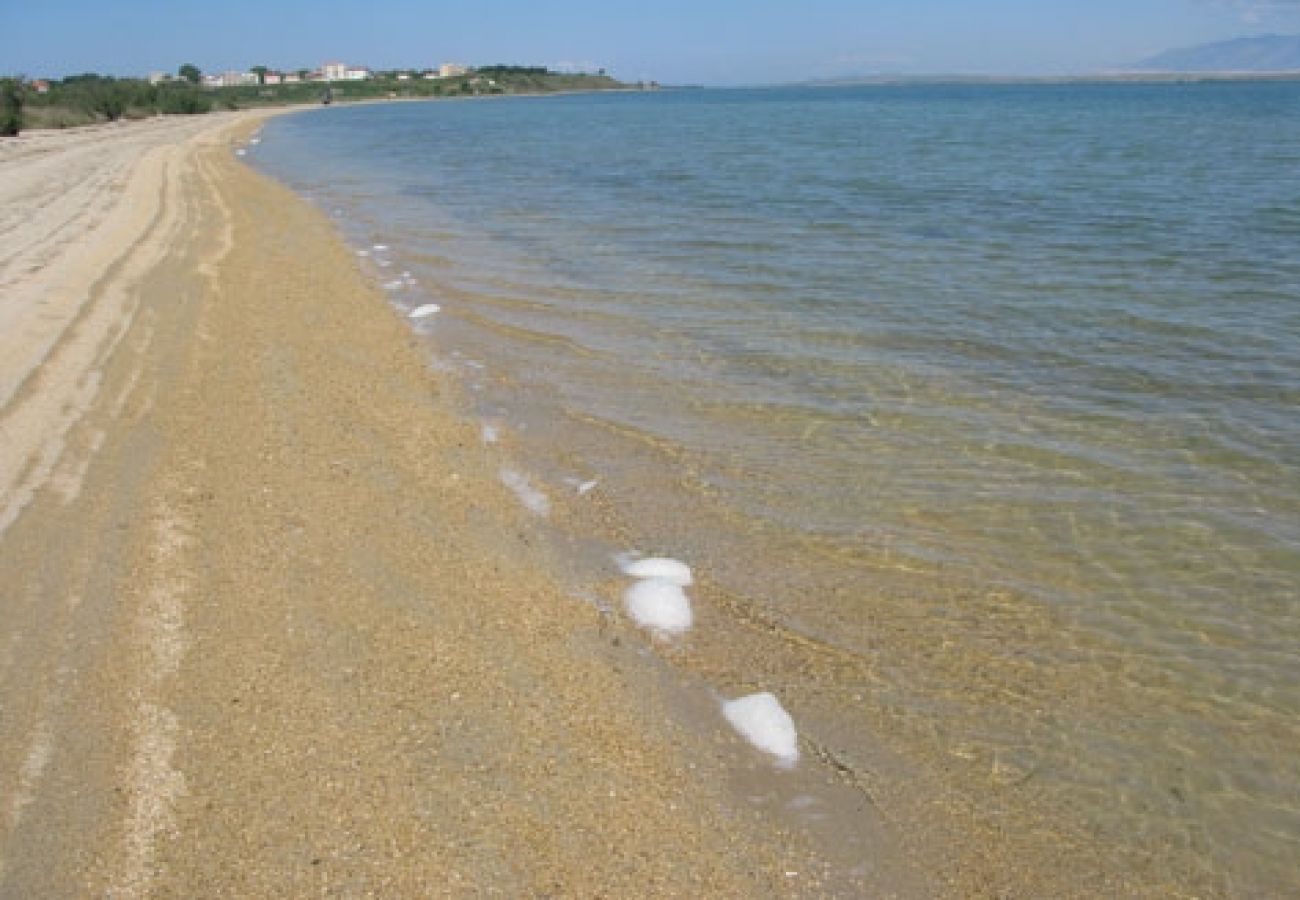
661 567
763 721
420 312
582 487
490 433
528 495
659 604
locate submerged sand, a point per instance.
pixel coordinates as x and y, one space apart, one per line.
273 626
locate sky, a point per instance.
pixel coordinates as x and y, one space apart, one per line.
716 42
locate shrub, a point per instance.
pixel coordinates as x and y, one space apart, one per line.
11 106
183 101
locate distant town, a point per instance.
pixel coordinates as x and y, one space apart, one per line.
35 103
327 72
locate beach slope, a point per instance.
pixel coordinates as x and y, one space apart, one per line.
271 624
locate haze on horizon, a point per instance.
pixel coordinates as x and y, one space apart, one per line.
716 42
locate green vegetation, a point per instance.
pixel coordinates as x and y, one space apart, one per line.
11 106
86 99
487 80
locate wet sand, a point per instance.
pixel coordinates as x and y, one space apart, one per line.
272 624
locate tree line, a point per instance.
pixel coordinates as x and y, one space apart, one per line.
88 98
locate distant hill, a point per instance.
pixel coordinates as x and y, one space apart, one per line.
1267 53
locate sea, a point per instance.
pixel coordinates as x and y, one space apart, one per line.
976 409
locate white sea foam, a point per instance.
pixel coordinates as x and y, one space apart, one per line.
490 433
395 285
380 247
582 487
528 495
659 604
420 312
763 721
240 152
363 253
660 567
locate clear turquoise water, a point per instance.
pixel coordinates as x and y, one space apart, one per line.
1039 344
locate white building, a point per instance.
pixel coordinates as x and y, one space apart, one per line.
451 70
337 71
238 79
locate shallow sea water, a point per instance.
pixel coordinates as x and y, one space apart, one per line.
991 390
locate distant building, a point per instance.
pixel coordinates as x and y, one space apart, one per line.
403 76
229 79
41 86
238 79
337 71
272 78
159 77
290 78
451 70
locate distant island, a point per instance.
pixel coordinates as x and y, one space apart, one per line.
1122 77
1267 53
1266 57
90 98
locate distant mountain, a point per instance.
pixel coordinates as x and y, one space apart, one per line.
1267 53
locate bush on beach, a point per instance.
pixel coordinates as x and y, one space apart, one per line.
87 99
11 106
183 100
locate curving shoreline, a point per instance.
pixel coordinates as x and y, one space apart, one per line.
277 628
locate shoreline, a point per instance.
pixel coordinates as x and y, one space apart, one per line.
843 678
279 627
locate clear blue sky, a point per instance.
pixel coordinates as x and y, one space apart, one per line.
675 41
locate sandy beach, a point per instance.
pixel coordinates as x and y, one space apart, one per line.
275 626
272 624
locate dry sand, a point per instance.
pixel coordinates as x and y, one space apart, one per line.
271 625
